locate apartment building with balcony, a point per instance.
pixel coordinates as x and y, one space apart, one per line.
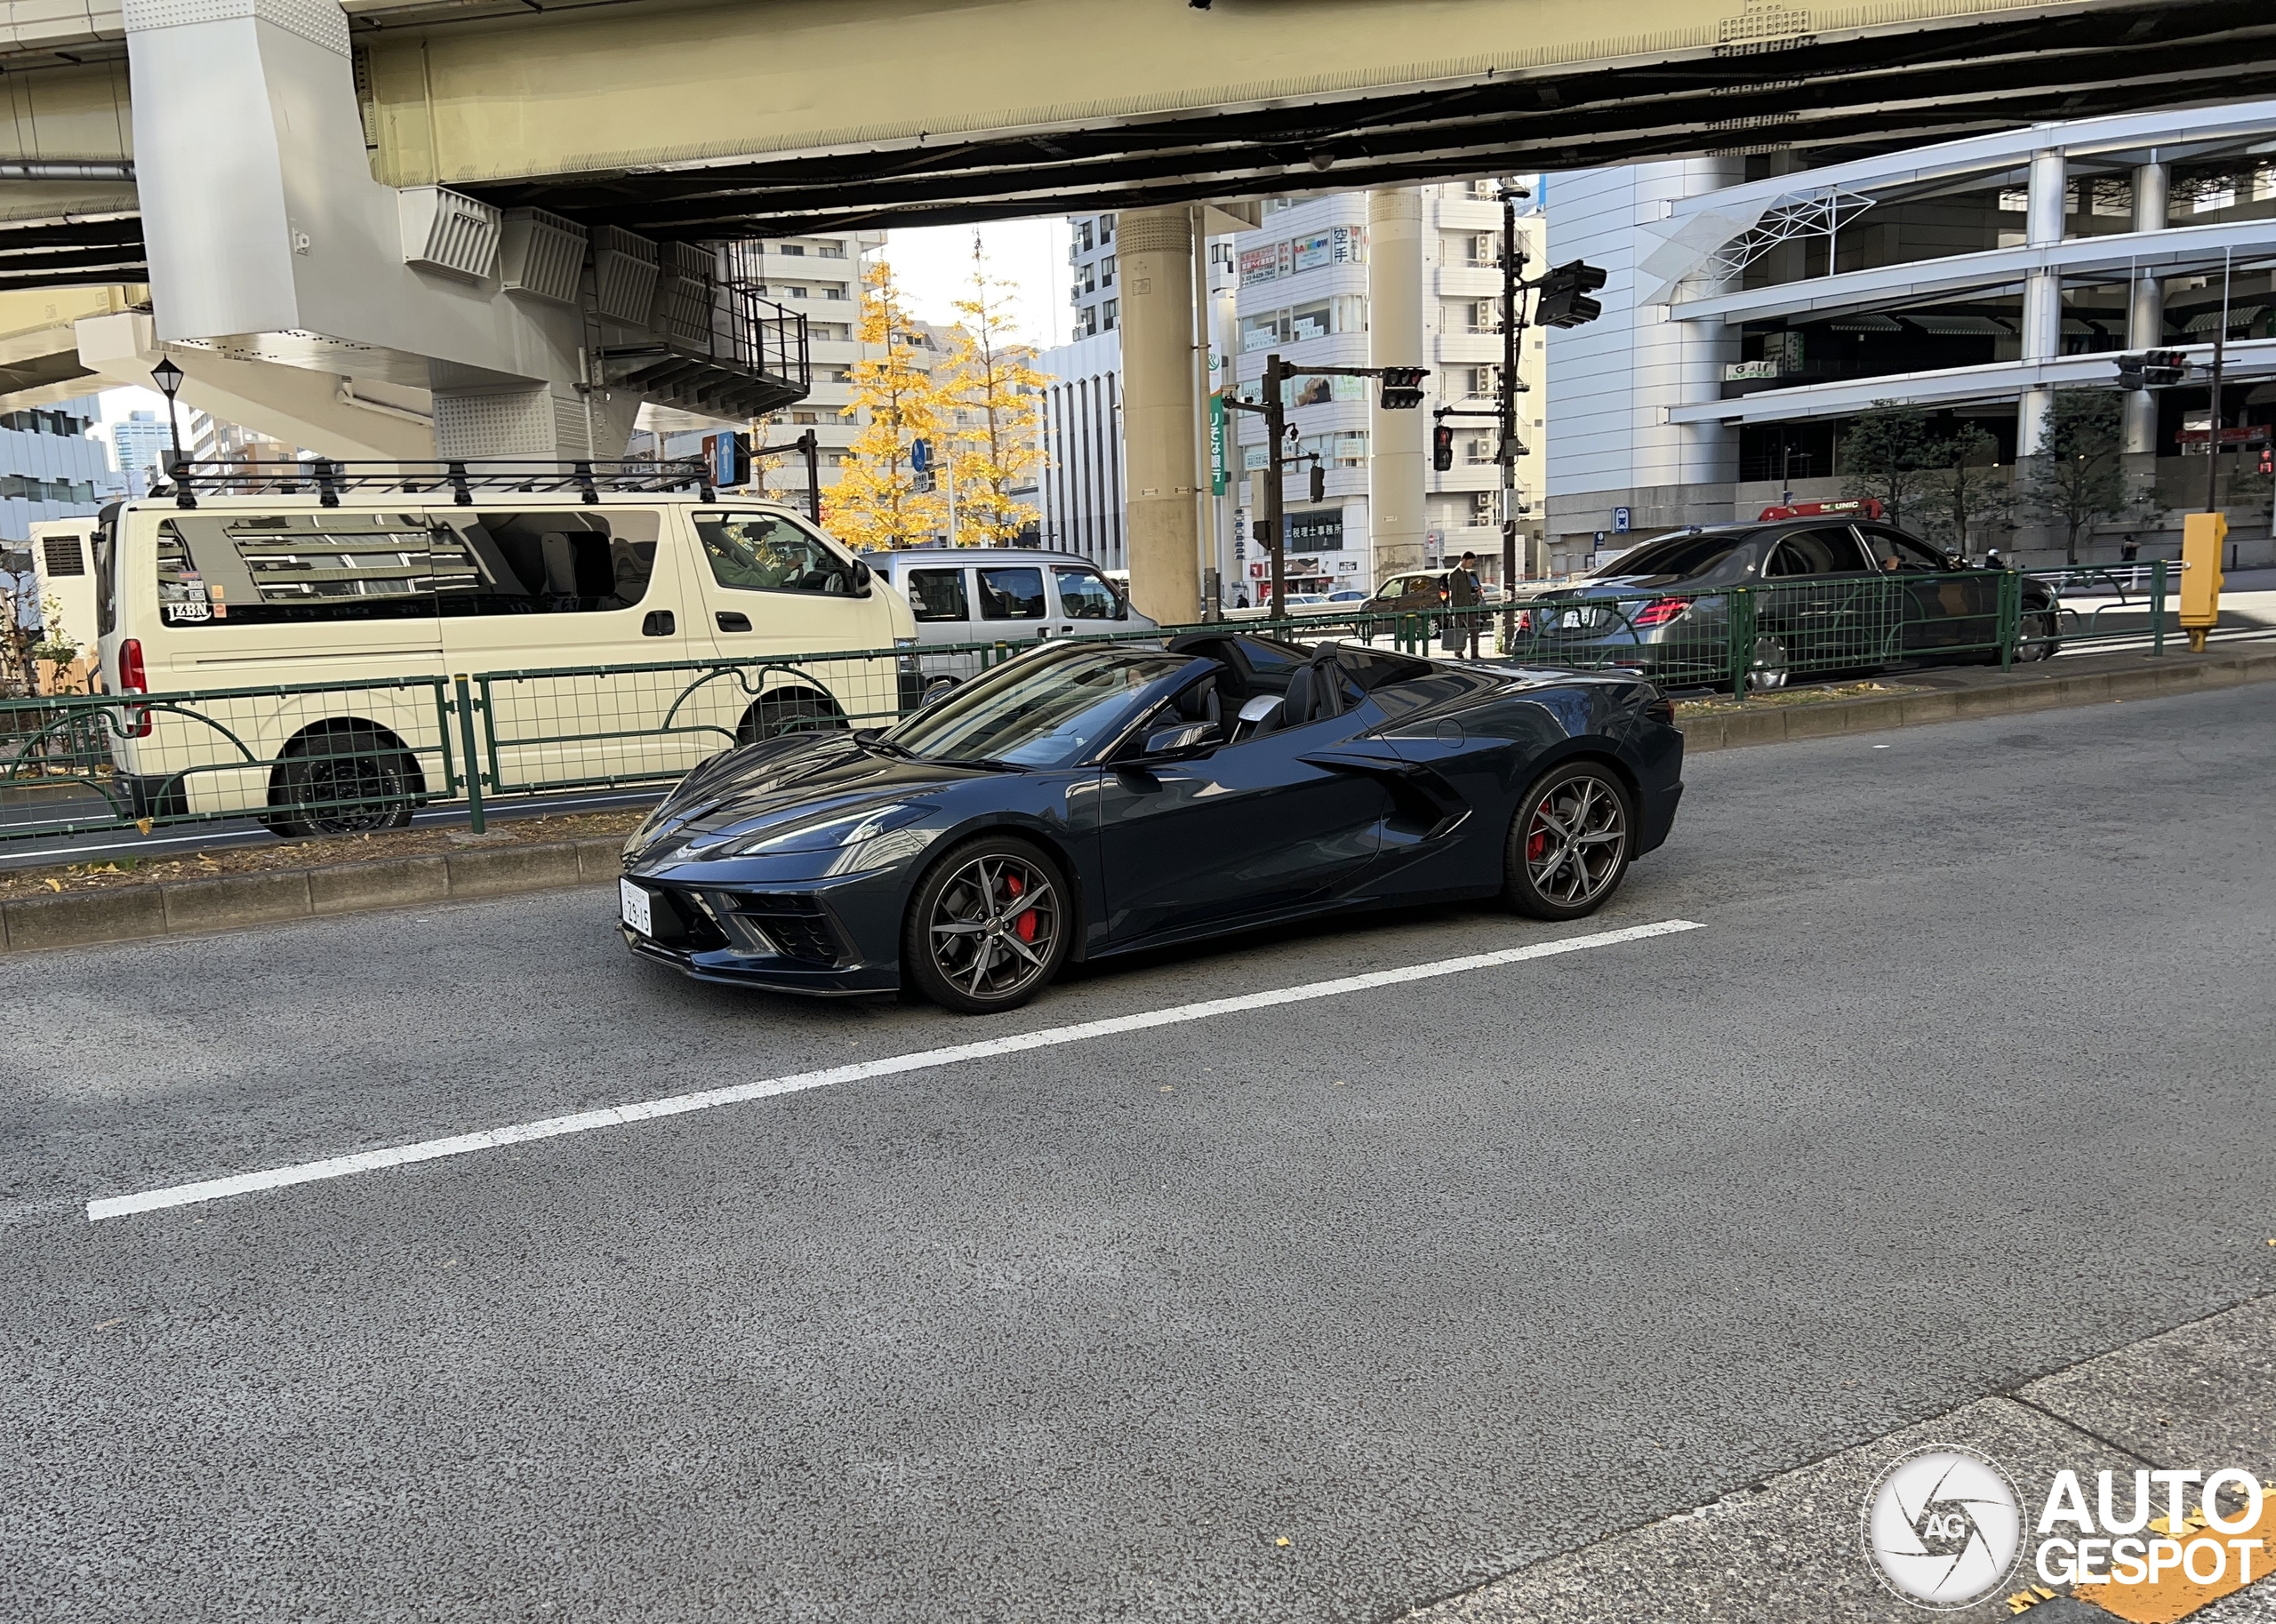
1302 282
1092 292
1757 305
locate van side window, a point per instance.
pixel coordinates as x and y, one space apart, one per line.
268 568
938 595
764 552
1084 596
556 562
1011 595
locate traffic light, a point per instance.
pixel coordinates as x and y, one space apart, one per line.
2163 366
1402 387
2129 373
1319 482
1442 447
1564 296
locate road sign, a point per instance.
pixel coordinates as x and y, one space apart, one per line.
1620 520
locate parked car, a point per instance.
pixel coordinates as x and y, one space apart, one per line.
965 595
1089 799
394 584
1422 590
1826 597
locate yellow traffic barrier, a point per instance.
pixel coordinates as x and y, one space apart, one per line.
2201 536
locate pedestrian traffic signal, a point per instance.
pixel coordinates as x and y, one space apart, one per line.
1402 387
1320 482
2163 366
1442 447
1564 299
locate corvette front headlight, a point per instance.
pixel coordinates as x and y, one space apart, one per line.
827 833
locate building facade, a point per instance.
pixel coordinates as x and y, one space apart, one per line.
50 468
1091 260
1757 306
1302 281
1082 489
140 444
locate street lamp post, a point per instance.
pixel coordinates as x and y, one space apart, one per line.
168 377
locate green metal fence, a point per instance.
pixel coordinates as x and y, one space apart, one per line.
341 757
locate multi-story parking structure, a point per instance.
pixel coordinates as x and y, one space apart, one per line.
1757 305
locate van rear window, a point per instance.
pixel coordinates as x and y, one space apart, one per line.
293 567
264 568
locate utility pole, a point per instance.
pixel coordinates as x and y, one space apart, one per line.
1401 392
2212 414
1513 265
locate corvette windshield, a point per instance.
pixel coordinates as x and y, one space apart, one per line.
1036 713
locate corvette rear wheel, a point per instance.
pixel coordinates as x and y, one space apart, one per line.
1569 844
987 926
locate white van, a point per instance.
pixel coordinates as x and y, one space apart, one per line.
1002 595
355 615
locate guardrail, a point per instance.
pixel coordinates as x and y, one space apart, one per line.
346 757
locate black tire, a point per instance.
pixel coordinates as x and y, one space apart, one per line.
2041 626
1570 842
351 779
987 926
795 709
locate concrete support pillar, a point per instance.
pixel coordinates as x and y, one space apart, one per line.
2042 335
1160 412
2145 307
1396 439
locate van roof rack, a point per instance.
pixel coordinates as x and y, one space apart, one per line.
328 477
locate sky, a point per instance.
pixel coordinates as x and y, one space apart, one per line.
934 264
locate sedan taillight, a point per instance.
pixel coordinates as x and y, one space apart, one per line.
1661 610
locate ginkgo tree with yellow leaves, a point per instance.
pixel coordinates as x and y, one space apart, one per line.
879 500
993 395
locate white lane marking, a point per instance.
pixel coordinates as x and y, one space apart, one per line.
923 1059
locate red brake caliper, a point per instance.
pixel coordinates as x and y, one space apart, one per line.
1024 926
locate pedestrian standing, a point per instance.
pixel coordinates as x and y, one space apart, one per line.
1464 593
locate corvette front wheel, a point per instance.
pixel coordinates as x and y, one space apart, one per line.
1569 842
987 927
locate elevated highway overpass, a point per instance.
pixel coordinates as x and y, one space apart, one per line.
430 201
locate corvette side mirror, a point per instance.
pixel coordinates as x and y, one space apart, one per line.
1186 738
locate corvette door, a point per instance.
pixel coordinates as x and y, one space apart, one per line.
1251 830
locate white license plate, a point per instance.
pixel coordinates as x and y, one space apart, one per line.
1575 619
638 907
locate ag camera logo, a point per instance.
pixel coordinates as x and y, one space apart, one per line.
1943 1527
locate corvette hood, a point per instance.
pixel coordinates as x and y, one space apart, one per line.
784 784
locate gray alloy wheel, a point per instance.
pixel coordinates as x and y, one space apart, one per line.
1569 842
1768 668
987 928
2037 639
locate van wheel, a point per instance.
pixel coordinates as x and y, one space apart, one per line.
789 710
347 778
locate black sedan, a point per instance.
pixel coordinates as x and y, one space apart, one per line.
1819 596
1087 799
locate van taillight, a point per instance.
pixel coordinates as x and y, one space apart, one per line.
133 679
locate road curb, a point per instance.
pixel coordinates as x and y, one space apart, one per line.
242 901
1878 713
239 901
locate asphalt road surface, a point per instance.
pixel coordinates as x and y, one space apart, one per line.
1311 1311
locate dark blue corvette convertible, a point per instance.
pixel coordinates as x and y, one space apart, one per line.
1091 798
